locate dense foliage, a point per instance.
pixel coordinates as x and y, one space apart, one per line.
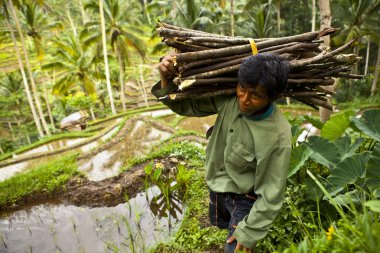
64 69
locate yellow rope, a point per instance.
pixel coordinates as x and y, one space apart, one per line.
253 46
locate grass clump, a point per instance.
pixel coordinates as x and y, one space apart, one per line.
195 234
45 178
192 154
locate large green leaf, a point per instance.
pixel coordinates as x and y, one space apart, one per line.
369 123
345 148
336 125
314 121
374 205
346 172
324 151
298 158
373 169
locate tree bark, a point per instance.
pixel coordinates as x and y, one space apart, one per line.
325 14
377 70
104 42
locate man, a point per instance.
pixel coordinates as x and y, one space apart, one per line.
248 152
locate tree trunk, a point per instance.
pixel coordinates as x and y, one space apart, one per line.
325 14
145 97
367 55
25 82
232 19
104 42
377 70
11 130
46 96
92 113
313 16
121 76
29 68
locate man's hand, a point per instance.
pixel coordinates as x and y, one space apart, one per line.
239 247
167 70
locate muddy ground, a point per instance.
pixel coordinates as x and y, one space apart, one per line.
80 191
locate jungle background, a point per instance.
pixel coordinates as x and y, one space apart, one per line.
100 57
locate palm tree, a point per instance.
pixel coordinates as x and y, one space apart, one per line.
35 23
358 18
75 66
29 69
121 29
21 67
13 102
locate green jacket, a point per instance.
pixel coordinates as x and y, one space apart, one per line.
244 153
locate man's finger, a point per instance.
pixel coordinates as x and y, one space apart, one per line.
231 239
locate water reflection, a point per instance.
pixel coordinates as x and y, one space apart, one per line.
129 227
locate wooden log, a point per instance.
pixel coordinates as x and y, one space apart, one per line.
200 95
189 65
209 68
212 73
227 81
322 56
311 82
350 76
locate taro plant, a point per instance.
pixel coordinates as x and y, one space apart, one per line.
347 154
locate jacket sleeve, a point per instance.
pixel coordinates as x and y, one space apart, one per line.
270 184
188 107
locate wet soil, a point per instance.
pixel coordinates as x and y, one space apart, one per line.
80 191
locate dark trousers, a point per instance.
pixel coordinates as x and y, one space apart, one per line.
227 209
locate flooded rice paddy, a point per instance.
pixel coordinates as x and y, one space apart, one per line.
129 227
133 226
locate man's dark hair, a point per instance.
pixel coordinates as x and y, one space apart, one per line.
267 70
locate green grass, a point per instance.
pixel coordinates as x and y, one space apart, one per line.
45 178
193 234
185 150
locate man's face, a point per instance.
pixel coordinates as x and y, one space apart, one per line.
252 100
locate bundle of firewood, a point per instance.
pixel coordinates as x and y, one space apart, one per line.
208 63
